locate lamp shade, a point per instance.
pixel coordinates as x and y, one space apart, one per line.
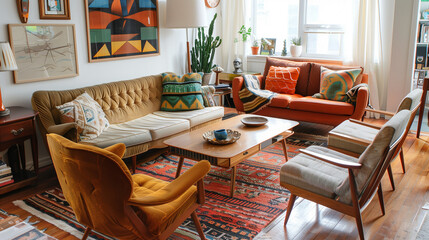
186 14
7 59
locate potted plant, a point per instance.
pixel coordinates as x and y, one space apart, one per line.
296 48
255 47
203 51
245 33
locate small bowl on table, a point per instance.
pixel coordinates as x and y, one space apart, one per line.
254 121
231 136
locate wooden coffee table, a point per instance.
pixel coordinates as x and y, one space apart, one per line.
192 145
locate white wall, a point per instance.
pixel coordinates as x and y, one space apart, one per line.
403 48
172 58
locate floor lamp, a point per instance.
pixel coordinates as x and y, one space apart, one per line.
7 63
186 14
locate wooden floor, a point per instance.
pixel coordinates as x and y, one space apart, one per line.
404 213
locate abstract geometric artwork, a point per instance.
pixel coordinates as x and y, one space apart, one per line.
122 29
43 51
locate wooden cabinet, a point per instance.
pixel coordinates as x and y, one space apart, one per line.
14 130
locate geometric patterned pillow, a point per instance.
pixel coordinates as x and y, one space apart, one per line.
334 85
208 92
282 79
181 93
87 113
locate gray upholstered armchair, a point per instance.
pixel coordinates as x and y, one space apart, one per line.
342 182
354 136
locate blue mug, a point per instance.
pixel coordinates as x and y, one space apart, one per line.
220 134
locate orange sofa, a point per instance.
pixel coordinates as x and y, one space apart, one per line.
301 106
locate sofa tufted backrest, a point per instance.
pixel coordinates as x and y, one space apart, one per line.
121 101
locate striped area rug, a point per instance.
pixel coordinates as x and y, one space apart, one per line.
258 199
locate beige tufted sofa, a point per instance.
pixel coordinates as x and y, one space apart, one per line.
132 108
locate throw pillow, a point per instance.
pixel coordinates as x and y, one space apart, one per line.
335 84
282 79
181 93
304 68
208 92
87 113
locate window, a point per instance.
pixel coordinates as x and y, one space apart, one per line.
320 24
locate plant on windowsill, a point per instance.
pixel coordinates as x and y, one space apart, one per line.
296 48
203 52
255 47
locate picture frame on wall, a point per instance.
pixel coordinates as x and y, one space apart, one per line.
122 29
54 9
268 46
43 51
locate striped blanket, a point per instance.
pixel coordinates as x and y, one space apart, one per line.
252 96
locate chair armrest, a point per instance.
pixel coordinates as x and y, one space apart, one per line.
365 124
237 84
332 160
361 103
118 149
175 188
379 112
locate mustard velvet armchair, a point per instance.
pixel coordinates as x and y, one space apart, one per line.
105 197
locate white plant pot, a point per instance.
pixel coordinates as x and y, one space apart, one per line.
207 78
295 51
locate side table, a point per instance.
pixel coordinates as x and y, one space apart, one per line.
227 78
422 106
222 92
14 130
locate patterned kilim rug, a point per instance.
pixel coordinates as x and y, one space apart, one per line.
258 199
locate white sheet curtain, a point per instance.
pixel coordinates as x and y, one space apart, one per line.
366 49
233 15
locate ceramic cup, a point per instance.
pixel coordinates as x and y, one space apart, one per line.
220 134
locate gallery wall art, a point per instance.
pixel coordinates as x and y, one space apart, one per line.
120 29
43 51
54 9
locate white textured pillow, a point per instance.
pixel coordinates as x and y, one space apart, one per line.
88 115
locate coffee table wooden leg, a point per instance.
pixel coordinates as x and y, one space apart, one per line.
179 167
233 176
284 148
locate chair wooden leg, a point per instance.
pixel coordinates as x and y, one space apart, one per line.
198 225
86 233
381 199
291 201
133 163
392 182
401 156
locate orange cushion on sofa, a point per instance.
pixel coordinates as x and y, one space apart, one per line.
310 104
282 79
283 100
304 67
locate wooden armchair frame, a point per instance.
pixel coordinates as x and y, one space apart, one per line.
399 150
359 202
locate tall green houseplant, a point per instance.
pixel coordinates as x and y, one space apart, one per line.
204 48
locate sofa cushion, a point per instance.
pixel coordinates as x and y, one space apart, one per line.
311 104
181 93
88 115
301 85
335 84
195 117
160 127
282 79
314 76
283 100
208 96
126 133
315 175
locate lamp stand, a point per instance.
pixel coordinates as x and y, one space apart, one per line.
3 111
189 54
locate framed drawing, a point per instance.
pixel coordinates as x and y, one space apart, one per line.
54 9
268 46
118 29
43 51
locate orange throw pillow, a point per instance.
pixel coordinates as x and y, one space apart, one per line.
282 79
